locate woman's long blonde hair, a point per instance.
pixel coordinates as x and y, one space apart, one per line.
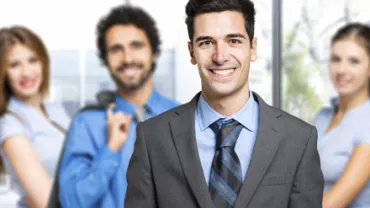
9 37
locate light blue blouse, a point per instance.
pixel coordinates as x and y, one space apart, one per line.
46 139
335 148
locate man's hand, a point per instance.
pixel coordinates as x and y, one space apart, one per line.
118 126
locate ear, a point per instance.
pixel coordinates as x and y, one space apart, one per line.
254 50
191 52
155 57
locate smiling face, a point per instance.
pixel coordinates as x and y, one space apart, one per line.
349 67
222 51
129 56
23 71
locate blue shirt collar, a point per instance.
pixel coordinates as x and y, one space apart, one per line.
151 105
246 115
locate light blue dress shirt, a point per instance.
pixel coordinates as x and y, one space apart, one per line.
46 139
90 174
206 138
335 148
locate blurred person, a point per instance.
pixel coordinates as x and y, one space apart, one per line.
100 141
31 132
226 147
343 128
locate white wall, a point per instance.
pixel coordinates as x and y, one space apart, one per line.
170 17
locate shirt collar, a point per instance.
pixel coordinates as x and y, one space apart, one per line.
334 102
128 108
246 115
16 104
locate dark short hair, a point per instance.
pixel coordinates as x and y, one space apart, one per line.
127 15
196 7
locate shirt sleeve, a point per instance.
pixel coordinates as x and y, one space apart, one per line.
10 125
86 169
363 135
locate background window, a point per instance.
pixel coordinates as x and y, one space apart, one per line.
308 26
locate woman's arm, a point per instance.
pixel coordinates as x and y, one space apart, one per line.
28 168
353 179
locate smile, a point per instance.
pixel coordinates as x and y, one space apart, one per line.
222 75
27 83
223 72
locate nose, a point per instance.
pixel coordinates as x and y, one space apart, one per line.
128 56
221 54
341 68
26 70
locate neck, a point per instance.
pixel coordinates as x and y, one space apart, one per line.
347 103
139 96
34 101
230 104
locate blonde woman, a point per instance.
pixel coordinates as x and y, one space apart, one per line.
344 128
31 132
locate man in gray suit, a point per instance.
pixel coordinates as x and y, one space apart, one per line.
226 147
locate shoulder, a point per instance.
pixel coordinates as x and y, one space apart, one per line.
295 131
10 119
292 122
11 125
161 121
90 115
57 109
323 114
362 135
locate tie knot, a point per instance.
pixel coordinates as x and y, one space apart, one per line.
227 132
140 113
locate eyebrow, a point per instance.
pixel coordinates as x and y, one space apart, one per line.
137 43
232 35
115 47
201 38
236 35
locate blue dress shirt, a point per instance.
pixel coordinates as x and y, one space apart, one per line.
206 138
335 148
91 175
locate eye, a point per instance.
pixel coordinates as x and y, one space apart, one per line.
33 60
137 45
335 59
14 64
205 43
235 41
115 48
354 61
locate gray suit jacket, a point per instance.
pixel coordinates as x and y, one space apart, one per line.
165 169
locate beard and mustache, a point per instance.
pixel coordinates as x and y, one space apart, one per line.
144 76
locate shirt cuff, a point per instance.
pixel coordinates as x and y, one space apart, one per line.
107 161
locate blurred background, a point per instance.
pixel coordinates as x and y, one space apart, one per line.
293 50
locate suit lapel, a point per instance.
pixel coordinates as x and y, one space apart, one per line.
267 142
183 134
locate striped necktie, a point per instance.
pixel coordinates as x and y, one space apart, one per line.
226 174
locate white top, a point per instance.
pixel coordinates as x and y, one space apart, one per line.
46 139
335 148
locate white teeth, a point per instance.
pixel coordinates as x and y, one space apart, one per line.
223 72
